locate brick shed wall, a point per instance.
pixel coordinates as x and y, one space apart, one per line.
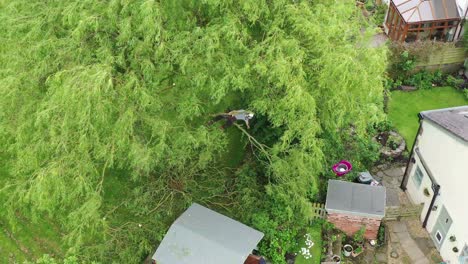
350 224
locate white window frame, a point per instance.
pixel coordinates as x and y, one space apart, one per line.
441 237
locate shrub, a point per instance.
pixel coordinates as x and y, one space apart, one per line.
454 81
381 235
422 80
437 77
379 15
359 235
369 5
407 62
425 79
384 126
393 142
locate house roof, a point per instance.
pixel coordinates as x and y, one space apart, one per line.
427 10
355 198
454 120
201 235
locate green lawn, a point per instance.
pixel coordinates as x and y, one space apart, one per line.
404 107
315 232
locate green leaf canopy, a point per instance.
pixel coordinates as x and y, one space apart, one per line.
104 106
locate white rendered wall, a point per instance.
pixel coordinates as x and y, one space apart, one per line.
447 158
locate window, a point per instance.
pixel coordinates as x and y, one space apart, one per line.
417 177
427 25
438 236
452 23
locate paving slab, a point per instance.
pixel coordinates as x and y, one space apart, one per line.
413 251
394 172
379 175
381 258
425 245
422 261
403 237
398 226
392 198
394 237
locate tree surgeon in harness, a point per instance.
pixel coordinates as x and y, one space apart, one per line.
233 116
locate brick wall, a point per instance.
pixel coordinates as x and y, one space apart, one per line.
350 224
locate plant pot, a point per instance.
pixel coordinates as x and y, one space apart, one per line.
347 250
357 252
426 192
336 259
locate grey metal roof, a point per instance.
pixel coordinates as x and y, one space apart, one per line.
453 120
426 10
355 198
203 236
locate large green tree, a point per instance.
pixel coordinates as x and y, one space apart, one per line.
104 105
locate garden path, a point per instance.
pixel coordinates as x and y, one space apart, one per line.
408 241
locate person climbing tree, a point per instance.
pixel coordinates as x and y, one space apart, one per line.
233 116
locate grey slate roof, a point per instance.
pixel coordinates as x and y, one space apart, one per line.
454 120
355 198
203 236
426 10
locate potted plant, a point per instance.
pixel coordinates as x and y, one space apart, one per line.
359 236
357 251
336 259
453 238
347 250
455 249
426 192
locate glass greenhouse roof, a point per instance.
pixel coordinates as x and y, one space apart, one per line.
426 10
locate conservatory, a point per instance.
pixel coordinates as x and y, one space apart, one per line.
411 20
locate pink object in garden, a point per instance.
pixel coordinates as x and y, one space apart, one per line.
342 167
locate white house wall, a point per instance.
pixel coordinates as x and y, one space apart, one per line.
462 5
416 194
447 158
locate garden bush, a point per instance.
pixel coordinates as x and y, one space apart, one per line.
422 80
454 81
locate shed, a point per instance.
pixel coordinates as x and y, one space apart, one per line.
201 235
411 20
352 205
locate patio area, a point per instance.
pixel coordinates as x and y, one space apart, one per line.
407 241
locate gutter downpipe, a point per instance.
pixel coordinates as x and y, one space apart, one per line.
436 188
404 181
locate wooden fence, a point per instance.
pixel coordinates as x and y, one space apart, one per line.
443 56
397 212
318 211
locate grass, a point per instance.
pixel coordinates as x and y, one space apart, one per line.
404 107
315 232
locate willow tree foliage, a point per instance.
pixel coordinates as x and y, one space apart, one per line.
104 105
